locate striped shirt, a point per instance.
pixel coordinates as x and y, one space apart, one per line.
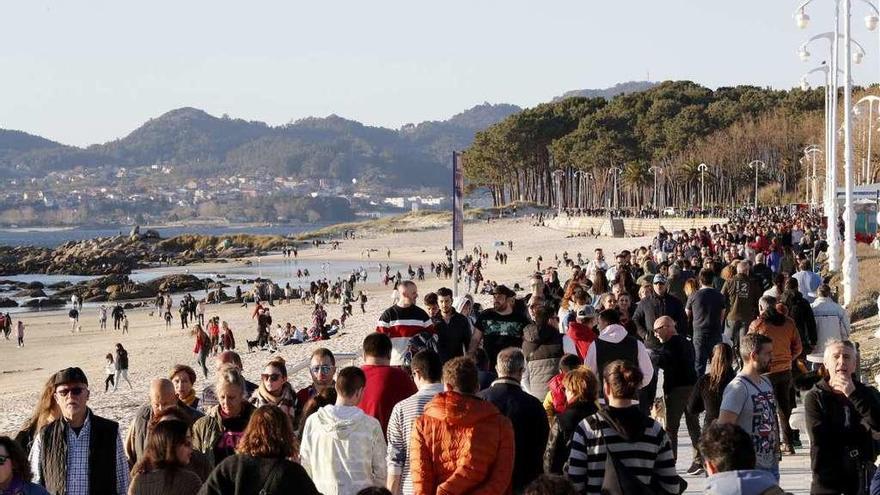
400 428
400 324
648 457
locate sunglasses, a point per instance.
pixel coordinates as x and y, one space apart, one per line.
321 369
74 391
3 459
273 377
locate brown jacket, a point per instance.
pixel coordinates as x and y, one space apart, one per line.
786 339
461 444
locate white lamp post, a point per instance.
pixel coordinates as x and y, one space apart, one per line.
702 168
811 151
870 100
757 165
557 176
656 171
588 178
615 172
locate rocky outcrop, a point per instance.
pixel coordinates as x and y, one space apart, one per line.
5 302
122 254
30 293
178 283
108 288
44 302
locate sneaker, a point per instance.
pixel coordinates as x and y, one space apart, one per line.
695 469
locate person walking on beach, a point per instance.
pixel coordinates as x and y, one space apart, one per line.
184 312
102 316
124 324
109 371
202 348
121 367
200 311
73 314
6 329
20 333
118 313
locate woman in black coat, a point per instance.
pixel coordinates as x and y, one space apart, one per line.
261 464
581 391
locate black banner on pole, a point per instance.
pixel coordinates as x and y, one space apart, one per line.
457 202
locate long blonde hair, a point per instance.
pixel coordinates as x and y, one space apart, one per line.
47 409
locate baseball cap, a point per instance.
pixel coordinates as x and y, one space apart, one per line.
69 375
586 311
659 279
504 291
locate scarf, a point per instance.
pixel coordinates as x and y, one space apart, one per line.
284 398
189 398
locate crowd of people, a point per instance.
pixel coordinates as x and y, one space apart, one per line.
576 384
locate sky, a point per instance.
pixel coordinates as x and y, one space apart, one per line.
85 72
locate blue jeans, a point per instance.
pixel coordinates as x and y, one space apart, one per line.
703 345
773 470
875 483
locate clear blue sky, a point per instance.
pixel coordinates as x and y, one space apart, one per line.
84 72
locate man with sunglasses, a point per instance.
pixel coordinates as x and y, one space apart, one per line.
322 368
80 453
658 303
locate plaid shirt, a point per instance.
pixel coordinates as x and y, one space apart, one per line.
78 461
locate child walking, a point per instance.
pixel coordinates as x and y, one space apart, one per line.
110 371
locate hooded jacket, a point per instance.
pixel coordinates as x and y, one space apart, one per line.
343 450
542 349
800 311
578 338
832 321
461 444
745 482
784 334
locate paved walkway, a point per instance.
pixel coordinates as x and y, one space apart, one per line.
794 470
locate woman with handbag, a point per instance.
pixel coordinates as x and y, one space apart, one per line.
633 448
263 463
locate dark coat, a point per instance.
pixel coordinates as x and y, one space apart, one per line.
530 428
838 446
653 307
245 475
559 443
801 312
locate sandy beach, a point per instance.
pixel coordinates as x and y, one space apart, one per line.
153 350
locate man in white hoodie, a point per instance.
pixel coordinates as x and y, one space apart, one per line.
615 343
342 448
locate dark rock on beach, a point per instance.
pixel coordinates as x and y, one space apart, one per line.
5 302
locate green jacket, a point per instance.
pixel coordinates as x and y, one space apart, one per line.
207 430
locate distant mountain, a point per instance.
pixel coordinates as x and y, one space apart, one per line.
196 144
608 93
440 138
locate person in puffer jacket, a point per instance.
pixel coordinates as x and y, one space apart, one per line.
461 444
342 448
542 348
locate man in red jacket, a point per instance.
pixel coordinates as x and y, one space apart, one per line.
386 385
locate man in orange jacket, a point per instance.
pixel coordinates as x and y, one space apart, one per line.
461 443
786 347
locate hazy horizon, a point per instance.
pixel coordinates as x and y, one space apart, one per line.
83 76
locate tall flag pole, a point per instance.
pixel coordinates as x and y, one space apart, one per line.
457 215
